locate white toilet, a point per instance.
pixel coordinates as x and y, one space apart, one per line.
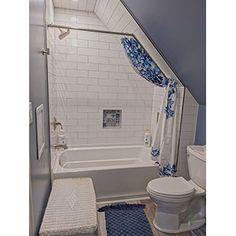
181 204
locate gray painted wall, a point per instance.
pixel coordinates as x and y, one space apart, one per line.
39 169
200 138
178 30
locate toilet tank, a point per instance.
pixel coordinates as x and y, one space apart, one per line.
196 156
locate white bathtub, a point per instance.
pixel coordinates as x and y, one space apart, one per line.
117 171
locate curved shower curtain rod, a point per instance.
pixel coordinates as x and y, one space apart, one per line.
107 32
92 30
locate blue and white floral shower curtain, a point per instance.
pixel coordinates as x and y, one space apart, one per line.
164 145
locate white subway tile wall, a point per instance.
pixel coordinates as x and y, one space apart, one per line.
93 74
188 130
115 16
51 73
51 63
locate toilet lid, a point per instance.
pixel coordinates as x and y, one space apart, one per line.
171 186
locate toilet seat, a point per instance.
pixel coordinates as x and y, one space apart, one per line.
170 188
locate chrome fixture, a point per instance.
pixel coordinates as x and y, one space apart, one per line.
44 51
55 123
60 27
64 146
63 34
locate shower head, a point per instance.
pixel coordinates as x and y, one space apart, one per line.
63 34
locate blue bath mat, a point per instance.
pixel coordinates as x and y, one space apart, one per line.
199 232
126 220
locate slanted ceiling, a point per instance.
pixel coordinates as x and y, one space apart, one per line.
80 5
177 28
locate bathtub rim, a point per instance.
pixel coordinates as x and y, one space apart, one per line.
57 168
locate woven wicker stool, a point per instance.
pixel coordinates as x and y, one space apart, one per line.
71 209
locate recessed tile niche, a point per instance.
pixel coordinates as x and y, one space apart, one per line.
112 118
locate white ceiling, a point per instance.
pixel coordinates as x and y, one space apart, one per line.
82 5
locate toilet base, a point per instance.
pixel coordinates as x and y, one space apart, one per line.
184 227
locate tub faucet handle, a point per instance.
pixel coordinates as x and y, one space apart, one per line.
55 123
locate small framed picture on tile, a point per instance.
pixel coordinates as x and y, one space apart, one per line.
40 130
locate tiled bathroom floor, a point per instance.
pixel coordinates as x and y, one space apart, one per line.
150 213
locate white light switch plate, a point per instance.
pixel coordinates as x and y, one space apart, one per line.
30 113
